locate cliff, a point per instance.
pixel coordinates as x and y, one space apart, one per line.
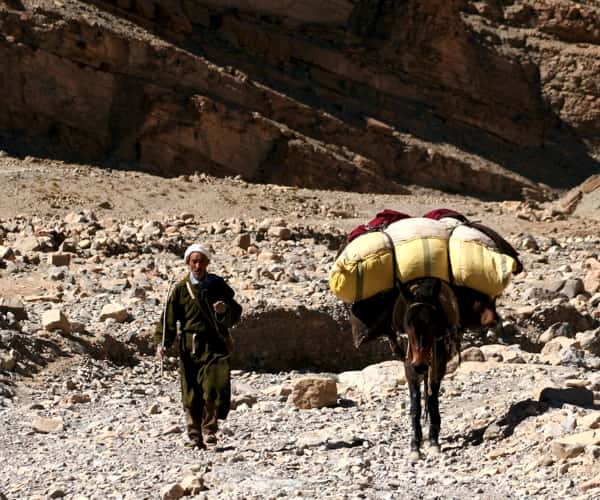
498 98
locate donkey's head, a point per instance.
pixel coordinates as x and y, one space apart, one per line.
477 310
425 322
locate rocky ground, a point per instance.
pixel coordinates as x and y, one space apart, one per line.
85 259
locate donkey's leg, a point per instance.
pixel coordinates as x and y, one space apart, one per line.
433 409
415 411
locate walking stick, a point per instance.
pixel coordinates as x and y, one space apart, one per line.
164 325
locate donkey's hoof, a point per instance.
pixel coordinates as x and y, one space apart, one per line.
414 456
434 449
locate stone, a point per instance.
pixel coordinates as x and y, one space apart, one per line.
562 313
268 256
152 228
375 381
243 240
116 311
172 491
14 306
283 233
28 244
590 483
56 492
75 218
573 382
574 444
573 287
73 399
590 341
591 281
537 294
558 396
56 273
529 243
556 330
237 252
192 484
313 392
569 423
7 253
59 259
248 399
55 319
8 360
591 421
46 425
112 348
492 432
557 344
278 390
115 285
472 354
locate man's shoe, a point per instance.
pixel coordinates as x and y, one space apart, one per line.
196 444
195 441
210 439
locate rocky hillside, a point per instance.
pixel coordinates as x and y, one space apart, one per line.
496 98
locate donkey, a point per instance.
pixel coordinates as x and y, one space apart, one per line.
433 314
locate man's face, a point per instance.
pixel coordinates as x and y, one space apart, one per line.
198 263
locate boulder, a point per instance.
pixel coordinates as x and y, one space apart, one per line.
472 354
590 341
46 425
8 360
374 381
313 392
54 319
557 396
171 492
14 306
59 259
192 485
574 444
118 312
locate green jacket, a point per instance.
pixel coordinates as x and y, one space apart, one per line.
195 314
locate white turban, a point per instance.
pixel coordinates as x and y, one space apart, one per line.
196 248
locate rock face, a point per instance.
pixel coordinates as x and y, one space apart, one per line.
485 97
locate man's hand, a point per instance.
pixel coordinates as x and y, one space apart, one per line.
160 352
220 307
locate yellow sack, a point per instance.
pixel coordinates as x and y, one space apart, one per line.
421 247
363 269
476 262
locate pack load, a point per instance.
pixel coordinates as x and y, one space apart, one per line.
479 257
381 220
479 263
443 245
421 248
366 265
364 268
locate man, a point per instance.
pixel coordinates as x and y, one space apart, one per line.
204 306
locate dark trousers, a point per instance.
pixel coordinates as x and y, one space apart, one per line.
205 390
